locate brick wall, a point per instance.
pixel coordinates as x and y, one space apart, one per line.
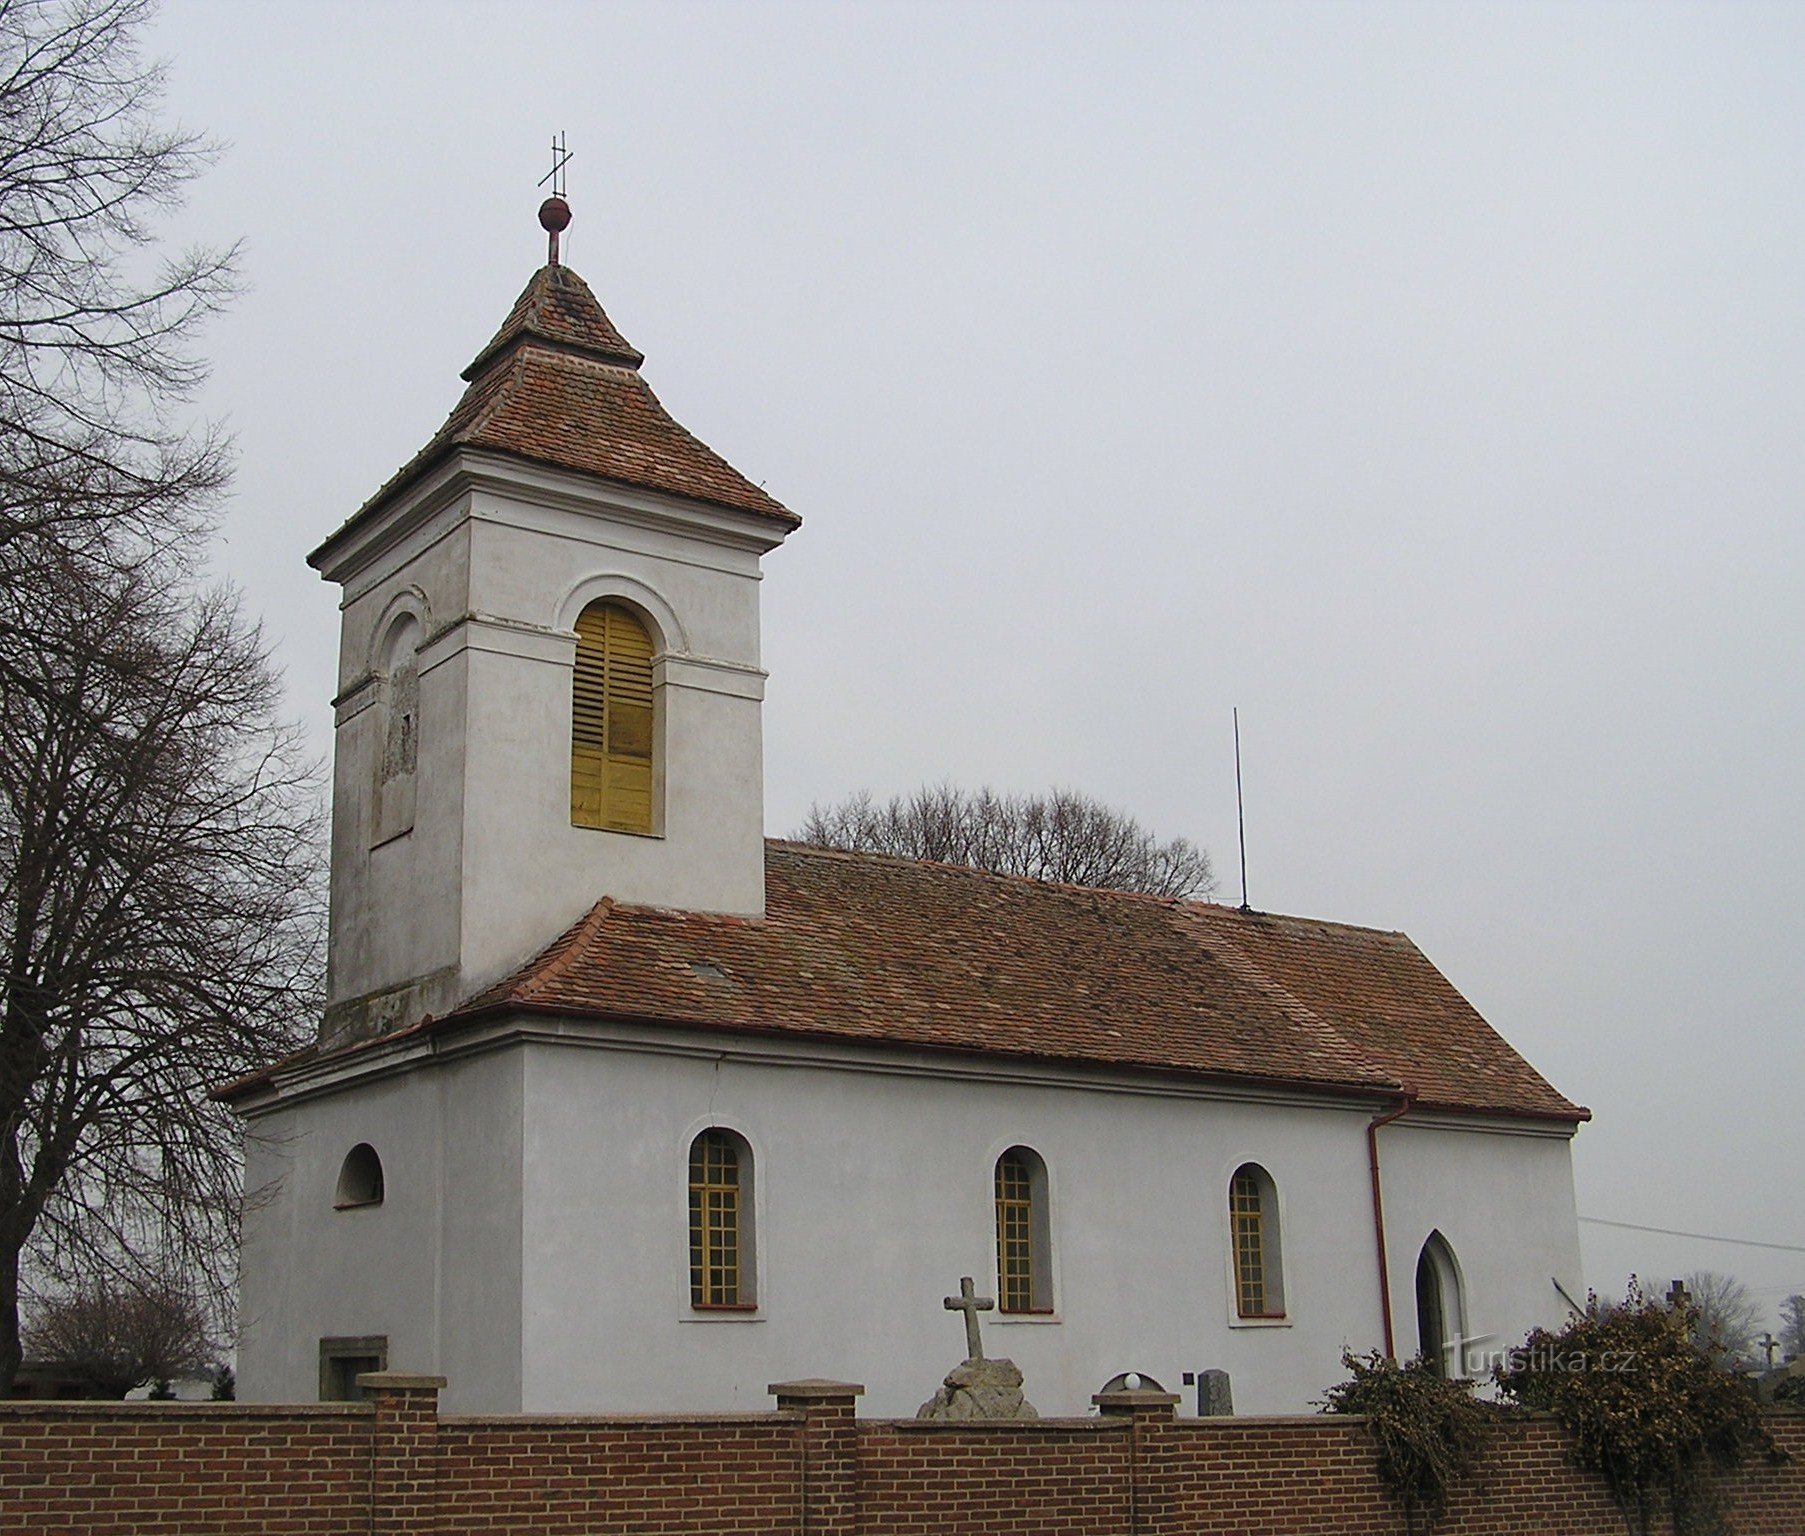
395 1467
176 1469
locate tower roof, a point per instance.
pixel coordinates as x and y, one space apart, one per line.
557 310
559 385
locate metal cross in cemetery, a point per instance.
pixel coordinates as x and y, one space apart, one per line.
971 1304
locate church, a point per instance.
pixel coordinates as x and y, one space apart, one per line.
619 1106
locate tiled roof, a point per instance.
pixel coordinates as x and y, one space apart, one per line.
931 956
559 385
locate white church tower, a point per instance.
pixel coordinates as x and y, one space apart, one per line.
549 681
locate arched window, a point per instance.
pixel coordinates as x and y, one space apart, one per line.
359 1178
1253 1218
720 1221
612 729
1440 1323
1024 1247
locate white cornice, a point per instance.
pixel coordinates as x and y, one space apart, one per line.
367 537
310 1080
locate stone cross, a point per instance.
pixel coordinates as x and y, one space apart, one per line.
1768 1342
1677 1294
971 1304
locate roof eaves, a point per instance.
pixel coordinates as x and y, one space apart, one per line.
500 1007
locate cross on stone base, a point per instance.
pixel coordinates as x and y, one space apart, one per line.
971 1304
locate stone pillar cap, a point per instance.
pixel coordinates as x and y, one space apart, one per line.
1125 1400
404 1380
815 1386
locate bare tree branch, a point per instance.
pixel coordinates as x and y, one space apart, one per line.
1063 836
96 329
1725 1318
160 917
159 831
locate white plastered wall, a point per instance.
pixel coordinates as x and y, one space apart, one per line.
874 1196
435 1268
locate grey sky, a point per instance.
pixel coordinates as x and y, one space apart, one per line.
1426 380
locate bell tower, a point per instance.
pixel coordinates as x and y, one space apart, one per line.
549 679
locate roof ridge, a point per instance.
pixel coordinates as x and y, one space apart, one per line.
500 394
1213 909
564 953
908 861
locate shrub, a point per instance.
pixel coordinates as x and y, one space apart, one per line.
1431 1431
1658 1417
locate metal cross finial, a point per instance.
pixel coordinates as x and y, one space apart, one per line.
971 1304
560 159
554 212
1768 1342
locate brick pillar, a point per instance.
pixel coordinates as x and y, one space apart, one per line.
830 1452
1147 1413
404 1471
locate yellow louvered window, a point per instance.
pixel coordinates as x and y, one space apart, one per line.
612 727
1253 1232
717 1188
1022 1269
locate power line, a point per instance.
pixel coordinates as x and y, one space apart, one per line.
1703 1237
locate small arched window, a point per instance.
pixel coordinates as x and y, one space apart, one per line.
612 729
720 1221
1024 1247
359 1178
1253 1217
1440 1323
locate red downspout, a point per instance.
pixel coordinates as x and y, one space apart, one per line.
1372 1164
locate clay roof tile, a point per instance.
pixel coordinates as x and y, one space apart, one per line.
901 952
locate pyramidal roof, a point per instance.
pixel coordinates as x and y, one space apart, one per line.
557 310
559 385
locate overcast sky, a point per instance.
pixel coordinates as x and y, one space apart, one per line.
1424 379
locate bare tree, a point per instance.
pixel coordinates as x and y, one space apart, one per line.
1061 836
96 333
158 831
159 917
1726 1319
113 1337
1792 1326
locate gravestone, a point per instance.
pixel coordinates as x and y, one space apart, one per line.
977 1388
1214 1399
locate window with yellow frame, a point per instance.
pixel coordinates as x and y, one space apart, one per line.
1024 1271
1254 1237
720 1188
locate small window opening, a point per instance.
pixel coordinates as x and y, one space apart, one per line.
359 1178
342 1361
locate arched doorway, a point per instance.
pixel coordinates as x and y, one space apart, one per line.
1440 1321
